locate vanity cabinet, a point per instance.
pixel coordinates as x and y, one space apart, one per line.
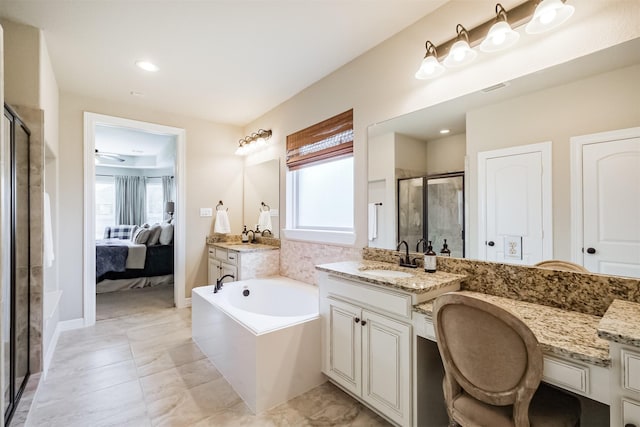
367 344
222 262
625 384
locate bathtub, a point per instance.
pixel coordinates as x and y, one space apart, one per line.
265 343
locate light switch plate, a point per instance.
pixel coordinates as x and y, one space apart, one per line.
206 211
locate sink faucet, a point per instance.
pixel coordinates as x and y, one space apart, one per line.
253 236
406 262
424 245
266 231
218 285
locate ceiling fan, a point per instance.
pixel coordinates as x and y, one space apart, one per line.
108 156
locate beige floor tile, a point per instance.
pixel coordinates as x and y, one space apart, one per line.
177 380
151 363
67 365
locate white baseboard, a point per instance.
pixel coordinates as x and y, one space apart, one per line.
67 325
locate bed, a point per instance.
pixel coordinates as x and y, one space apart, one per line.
123 263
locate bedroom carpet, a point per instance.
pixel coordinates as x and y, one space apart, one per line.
141 368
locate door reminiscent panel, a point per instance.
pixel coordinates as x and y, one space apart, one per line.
611 207
345 331
515 205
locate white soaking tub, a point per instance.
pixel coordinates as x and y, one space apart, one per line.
266 344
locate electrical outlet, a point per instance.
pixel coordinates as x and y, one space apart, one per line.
206 211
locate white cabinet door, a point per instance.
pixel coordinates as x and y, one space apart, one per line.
213 271
611 207
343 351
515 204
229 269
386 366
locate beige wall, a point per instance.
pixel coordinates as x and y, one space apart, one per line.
213 173
380 85
446 154
22 47
601 103
410 156
48 98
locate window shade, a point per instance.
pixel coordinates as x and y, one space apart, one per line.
325 140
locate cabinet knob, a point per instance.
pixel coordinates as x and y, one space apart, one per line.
629 425
490 243
364 322
592 251
357 319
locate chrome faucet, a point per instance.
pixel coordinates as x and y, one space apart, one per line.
218 285
406 262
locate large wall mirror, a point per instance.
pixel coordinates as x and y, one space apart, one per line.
262 195
592 94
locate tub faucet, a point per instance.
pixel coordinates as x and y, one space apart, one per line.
218 285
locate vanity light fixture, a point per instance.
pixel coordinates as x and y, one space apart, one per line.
460 53
495 34
501 35
430 67
253 142
147 66
548 15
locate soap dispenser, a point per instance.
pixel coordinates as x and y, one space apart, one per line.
445 251
430 259
245 235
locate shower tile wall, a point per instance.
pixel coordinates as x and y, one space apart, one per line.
34 119
298 259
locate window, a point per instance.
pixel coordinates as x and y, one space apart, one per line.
320 163
155 206
105 204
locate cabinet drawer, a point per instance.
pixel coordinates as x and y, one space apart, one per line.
631 370
424 326
566 374
383 300
221 254
212 252
630 412
232 257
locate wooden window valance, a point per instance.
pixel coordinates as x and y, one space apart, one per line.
325 140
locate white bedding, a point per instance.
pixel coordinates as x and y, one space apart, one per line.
137 252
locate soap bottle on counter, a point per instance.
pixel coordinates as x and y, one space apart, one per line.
245 235
430 259
445 251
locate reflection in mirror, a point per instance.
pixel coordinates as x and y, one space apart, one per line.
588 95
262 185
445 212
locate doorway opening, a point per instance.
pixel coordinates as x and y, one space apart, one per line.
101 168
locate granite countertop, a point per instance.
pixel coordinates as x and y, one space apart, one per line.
244 247
562 332
621 323
419 283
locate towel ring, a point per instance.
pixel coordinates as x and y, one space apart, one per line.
264 207
219 206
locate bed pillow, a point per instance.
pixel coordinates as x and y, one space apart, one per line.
141 235
166 235
154 234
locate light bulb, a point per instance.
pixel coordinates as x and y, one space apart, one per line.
548 16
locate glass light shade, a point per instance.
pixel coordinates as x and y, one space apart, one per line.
500 37
460 54
241 150
548 15
430 68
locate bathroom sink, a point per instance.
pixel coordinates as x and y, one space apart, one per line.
391 274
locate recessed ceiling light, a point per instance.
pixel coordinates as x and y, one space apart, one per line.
444 131
147 66
134 93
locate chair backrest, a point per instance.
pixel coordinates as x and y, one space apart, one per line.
488 352
556 264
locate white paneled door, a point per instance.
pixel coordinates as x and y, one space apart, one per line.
515 204
611 207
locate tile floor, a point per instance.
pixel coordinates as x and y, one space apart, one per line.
139 367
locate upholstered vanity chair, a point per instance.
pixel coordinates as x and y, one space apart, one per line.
493 368
556 264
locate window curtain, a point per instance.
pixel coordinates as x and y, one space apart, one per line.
329 139
131 199
168 192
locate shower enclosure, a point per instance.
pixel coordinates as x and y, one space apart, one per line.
15 259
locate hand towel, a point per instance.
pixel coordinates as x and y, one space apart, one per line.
48 233
372 212
264 220
222 222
